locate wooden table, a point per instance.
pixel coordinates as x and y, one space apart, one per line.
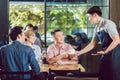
45 67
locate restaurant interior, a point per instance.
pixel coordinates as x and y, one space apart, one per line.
67 15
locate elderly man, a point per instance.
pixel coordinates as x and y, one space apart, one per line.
59 52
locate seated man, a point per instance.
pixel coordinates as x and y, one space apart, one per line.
59 52
17 57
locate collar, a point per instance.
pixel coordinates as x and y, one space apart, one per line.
63 46
17 42
101 21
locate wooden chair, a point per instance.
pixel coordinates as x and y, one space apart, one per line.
66 78
83 76
54 73
5 75
74 78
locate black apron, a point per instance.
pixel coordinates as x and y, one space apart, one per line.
110 62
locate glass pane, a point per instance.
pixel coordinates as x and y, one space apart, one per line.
56 18
98 2
104 5
67 17
22 13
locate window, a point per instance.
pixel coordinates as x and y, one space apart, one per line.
22 13
68 15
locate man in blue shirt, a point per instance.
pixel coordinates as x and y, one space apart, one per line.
16 57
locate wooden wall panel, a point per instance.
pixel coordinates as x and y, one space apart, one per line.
4 20
115 11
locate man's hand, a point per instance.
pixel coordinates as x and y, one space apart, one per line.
72 56
77 53
64 55
59 57
60 62
98 53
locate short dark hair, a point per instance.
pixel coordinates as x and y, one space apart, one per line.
56 30
95 9
14 32
35 28
30 25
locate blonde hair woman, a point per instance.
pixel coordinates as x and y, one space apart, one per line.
30 39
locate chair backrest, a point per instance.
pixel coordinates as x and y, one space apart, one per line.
66 78
5 75
65 72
